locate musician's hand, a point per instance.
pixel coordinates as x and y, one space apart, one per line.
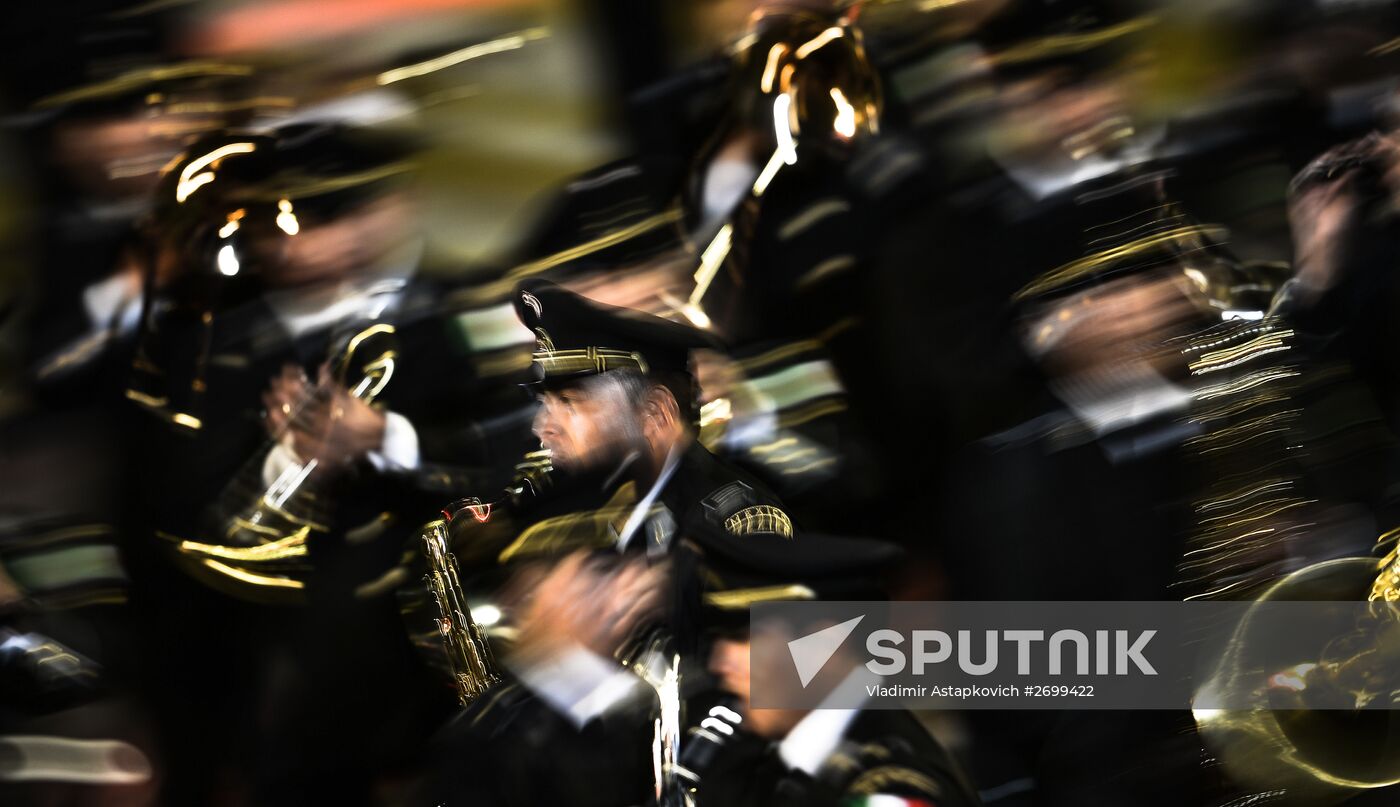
576 603
327 423
283 398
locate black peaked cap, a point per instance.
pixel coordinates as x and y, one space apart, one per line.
577 337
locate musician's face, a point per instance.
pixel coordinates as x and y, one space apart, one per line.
729 662
588 425
328 249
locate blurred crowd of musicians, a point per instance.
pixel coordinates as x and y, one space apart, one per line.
982 300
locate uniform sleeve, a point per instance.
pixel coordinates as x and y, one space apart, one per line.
577 684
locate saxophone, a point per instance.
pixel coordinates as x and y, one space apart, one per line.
466 646
464 641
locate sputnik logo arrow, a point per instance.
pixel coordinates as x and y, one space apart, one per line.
811 652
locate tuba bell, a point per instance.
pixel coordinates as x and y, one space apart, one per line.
1256 503
1319 754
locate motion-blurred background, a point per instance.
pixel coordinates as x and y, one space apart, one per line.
1074 300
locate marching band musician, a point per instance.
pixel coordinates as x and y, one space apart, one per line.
824 756
636 504
277 254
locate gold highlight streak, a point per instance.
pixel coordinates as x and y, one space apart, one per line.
602 242
776 445
139 78
190 421
710 261
1385 47
1225 437
494 291
1234 409
770 69
818 41
779 354
811 466
1247 382
1262 510
744 597
1214 592
1226 542
1218 558
249 577
146 400
1260 345
456 57
292 546
1071 43
1070 271
1235 498
191 179
770 170
816 410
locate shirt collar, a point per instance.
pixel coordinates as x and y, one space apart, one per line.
640 512
817 735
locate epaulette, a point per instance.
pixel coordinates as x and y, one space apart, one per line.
736 508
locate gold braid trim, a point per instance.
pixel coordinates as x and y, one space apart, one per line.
741 598
759 518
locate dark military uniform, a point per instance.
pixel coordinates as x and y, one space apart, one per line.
307 681
512 746
722 530
497 753
881 753
820 760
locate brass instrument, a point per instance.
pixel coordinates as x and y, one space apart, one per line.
257 535
1255 504
458 645
652 658
1318 754
465 643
